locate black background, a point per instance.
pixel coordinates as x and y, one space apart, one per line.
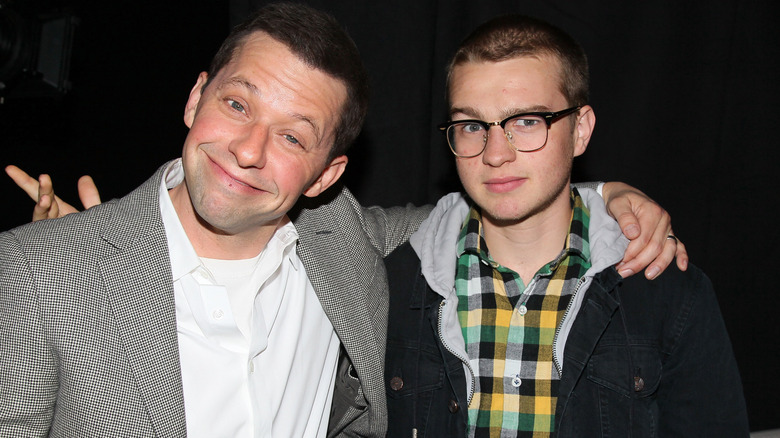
685 95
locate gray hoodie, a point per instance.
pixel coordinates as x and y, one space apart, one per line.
435 243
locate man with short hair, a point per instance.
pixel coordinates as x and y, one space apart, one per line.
195 305
507 315
189 294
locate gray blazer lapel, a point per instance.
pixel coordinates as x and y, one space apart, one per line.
139 285
352 297
350 281
342 246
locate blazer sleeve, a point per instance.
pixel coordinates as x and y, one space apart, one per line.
28 380
385 228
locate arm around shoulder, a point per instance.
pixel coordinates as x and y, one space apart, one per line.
386 228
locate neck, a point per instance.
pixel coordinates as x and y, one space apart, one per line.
529 243
211 242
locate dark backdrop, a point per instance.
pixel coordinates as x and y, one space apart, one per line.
685 95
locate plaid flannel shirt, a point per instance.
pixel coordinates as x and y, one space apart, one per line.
509 329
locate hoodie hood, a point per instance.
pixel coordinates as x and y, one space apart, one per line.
436 242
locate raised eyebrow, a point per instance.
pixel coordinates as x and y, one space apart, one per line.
241 82
308 120
244 83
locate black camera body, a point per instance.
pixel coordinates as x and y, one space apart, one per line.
36 43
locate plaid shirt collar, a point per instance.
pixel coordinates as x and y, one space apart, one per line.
472 236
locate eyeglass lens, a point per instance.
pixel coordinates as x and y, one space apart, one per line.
524 133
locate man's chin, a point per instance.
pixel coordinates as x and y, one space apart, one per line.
230 221
503 217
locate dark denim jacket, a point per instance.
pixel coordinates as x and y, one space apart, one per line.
643 359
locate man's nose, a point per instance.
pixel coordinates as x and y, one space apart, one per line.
250 146
498 150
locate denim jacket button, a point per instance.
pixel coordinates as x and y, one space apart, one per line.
396 383
639 384
453 406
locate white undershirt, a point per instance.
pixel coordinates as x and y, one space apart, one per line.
250 367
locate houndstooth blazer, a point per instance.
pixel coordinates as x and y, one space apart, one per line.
88 343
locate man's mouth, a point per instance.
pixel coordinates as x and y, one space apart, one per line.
504 184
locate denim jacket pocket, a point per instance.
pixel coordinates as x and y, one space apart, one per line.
632 370
412 368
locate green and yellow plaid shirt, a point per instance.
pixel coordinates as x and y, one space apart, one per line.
509 329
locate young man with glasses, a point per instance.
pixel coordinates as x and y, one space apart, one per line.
507 315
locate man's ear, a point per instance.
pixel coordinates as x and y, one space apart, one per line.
328 177
192 102
586 122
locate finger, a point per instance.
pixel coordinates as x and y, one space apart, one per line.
644 255
46 197
45 186
43 209
629 224
57 207
650 250
88 192
654 227
663 260
682 256
23 180
54 211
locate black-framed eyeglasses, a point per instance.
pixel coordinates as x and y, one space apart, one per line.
525 132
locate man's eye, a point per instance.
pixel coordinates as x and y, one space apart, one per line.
236 106
527 122
470 128
291 139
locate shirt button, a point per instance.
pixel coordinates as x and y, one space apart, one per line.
517 381
396 383
453 406
218 314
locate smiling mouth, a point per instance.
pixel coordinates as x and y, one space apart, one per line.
233 181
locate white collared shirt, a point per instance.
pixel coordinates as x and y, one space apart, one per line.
258 354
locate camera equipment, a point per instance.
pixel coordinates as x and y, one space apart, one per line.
35 50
